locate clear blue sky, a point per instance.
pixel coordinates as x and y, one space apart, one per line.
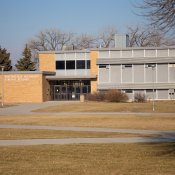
20 20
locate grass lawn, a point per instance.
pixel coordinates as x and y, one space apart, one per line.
160 106
89 159
108 121
7 134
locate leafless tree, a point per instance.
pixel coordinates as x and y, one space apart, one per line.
106 37
146 37
161 13
51 39
84 41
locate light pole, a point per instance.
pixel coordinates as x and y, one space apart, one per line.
153 68
2 86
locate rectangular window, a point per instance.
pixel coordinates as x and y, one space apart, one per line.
60 65
126 65
149 65
103 66
70 64
88 64
80 64
128 91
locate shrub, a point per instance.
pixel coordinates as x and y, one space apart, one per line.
96 96
115 96
109 96
139 98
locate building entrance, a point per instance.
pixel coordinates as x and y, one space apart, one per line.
69 90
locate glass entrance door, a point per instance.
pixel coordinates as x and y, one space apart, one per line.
69 90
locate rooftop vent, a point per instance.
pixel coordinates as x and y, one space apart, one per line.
121 41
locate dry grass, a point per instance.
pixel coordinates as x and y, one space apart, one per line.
160 106
111 121
6 134
89 159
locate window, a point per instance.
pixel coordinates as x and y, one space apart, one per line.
150 65
128 91
80 64
126 66
70 64
88 64
103 66
60 65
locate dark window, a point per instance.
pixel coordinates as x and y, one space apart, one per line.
127 65
70 64
102 66
128 91
80 64
88 64
60 65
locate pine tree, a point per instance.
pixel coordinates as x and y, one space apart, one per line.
5 59
25 63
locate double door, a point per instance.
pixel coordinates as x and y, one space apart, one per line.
69 92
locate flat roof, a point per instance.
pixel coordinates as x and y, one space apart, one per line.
30 72
65 51
106 49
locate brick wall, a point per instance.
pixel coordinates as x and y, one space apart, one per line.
20 88
46 62
94 70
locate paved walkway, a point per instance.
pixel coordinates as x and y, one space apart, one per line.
163 136
26 109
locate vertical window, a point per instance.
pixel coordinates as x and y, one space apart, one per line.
60 65
88 64
80 64
70 64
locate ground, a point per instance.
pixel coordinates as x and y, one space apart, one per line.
90 158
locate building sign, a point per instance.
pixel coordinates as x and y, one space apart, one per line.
19 77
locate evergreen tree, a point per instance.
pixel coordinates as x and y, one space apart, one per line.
5 59
25 63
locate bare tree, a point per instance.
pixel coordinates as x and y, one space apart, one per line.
146 37
51 39
84 41
161 13
106 37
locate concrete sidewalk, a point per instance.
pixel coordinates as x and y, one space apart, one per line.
26 109
162 136
84 140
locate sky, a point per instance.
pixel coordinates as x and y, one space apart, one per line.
21 20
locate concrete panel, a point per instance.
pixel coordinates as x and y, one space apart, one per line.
162 53
115 54
138 53
149 94
162 94
80 56
70 56
127 53
172 74
162 73
150 75
60 56
126 74
138 73
150 53
103 75
115 73
60 72
171 52
103 54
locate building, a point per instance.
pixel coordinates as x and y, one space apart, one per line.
64 75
